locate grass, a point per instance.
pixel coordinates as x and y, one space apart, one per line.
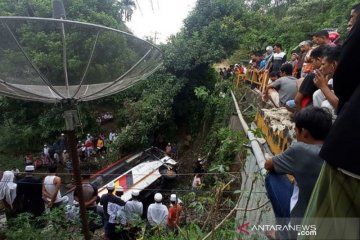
7 162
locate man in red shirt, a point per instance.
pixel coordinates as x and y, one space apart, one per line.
175 210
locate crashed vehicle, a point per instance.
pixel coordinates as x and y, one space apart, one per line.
148 171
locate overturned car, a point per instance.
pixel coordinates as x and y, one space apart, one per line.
148 171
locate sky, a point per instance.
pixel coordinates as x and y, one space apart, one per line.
164 18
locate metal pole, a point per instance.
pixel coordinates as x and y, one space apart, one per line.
259 155
65 59
70 120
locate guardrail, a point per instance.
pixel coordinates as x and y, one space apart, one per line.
259 78
256 148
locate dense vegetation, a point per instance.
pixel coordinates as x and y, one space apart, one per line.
185 95
214 30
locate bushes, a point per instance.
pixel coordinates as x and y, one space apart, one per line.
52 225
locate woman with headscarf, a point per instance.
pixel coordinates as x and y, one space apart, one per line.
8 191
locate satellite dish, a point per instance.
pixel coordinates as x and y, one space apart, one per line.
58 9
57 60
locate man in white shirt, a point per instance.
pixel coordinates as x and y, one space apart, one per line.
51 189
134 208
157 212
133 211
278 58
116 215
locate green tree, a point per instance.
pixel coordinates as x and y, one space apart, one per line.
127 8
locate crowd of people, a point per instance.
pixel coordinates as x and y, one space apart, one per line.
307 78
323 93
28 193
234 69
105 118
319 85
120 220
59 152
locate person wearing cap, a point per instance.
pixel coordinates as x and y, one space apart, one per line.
116 216
199 166
46 150
45 155
157 213
269 50
29 193
62 142
107 198
133 207
51 189
133 212
175 210
268 56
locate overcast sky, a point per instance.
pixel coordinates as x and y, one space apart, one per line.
164 18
